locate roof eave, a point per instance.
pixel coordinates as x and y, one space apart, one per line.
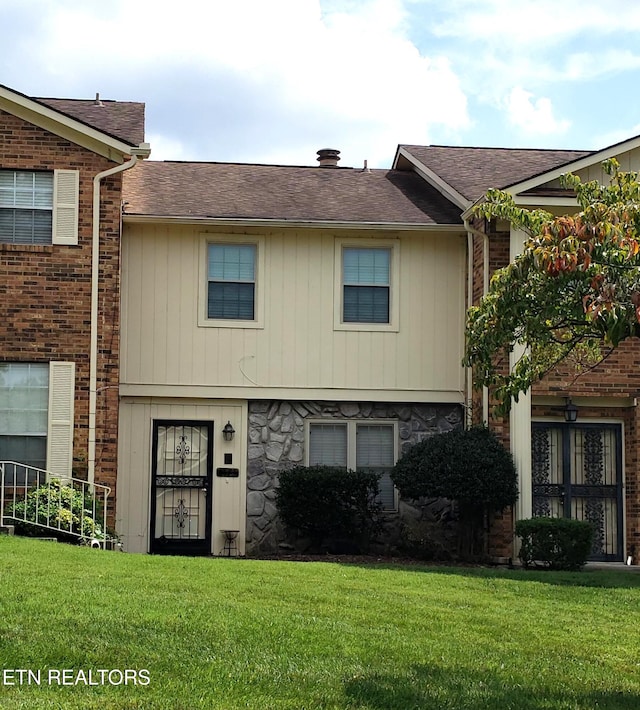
443 187
262 222
64 126
584 162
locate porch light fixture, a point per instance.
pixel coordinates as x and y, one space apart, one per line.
228 431
570 411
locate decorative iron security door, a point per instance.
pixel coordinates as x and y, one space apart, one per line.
577 473
181 487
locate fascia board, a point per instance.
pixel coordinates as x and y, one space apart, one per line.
433 179
532 200
243 222
63 126
588 160
529 201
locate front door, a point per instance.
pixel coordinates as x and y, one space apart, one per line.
181 489
577 473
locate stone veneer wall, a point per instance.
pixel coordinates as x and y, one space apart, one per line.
277 442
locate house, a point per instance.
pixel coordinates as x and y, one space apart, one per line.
60 196
317 311
182 331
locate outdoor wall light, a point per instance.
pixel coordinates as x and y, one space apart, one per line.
228 431
570 411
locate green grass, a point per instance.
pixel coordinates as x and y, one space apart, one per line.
228 634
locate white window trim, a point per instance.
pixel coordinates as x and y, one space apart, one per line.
351 425
258 313
394 284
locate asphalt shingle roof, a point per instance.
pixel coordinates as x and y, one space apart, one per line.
121 119
237 191
473 171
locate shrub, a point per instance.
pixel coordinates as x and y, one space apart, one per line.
469 466
56 505
555 543
331 506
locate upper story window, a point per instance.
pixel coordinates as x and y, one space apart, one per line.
39 207
365 279
366 295
231 285
26 207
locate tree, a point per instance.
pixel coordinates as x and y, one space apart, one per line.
573 291
469 466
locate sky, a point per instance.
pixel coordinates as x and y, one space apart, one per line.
272 81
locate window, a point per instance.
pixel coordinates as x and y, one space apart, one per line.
26 207
231 281
24 398
39 207
357 445
367 284
365 279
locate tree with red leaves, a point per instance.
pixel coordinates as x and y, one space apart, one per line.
574 291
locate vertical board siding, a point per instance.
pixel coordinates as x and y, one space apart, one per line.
297 346
134 475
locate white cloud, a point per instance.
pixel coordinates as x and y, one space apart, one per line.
165 147
533 116
345 70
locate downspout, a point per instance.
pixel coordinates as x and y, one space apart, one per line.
471 232
142 151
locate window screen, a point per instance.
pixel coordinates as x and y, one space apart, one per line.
26 207
231 281
24 400
365 277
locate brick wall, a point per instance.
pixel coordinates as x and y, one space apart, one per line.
45 290
617 377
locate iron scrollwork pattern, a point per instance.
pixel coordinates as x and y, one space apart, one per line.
181 513
541 472
181 481
593 475
183 450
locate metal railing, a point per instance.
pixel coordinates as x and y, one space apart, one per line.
72 506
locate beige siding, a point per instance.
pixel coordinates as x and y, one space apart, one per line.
134 469
297 346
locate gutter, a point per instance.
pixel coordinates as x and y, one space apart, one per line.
142 151
263 222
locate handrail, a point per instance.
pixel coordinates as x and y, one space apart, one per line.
66 505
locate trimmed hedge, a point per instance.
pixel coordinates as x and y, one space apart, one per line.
554 543
468 465
330 506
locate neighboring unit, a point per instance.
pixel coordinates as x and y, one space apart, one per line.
60 202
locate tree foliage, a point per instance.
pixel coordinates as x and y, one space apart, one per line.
573 291
470 466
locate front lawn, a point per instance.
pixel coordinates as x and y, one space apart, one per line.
214 633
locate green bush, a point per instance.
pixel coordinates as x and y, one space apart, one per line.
333 507
554 543
59 506
469 466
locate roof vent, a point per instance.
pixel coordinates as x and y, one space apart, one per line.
97 102
328 157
